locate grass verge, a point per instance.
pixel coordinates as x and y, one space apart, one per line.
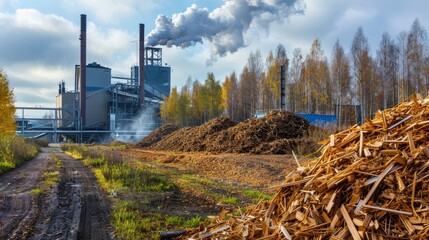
152 198
14 151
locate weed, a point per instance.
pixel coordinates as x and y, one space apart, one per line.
228 200
127 220
6 166
51 178
36 191
14 151
174 220
94 162
194 222
57 160
39 143
256 195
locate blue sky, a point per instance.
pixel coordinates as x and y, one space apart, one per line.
39 40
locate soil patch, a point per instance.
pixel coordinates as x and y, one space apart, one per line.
73 208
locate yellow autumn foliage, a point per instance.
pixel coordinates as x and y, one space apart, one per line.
7 108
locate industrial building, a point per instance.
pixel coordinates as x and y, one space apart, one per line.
99 109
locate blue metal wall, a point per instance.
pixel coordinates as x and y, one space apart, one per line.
313 119
319 120
158 77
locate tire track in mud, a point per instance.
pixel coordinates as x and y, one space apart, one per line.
81 211
74 209
17 206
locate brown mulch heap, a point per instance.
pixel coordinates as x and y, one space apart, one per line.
279 132
192 139
259 135
370 182
286 146
157 135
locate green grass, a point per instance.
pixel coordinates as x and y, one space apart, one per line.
136 179
127 220
208 187
143 217
174 220
194 222
256 195
228 200
94 162
131 219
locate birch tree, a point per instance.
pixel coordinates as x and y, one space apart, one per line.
362 69
341 79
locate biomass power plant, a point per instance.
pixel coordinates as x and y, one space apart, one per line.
103 107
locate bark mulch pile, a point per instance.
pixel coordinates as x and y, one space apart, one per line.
191 139
278 132
157 135
370 182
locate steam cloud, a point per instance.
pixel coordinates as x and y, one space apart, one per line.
224 27
139 127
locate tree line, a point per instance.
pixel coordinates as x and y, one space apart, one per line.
351 85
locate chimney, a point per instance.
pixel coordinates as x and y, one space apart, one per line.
141 64
83 68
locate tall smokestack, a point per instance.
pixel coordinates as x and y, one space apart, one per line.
83 68
141 63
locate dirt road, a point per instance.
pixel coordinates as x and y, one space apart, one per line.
73 208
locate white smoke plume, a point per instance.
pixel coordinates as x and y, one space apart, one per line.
139 128
224 27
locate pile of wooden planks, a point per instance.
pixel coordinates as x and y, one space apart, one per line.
370 182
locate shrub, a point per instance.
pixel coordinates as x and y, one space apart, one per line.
14 151
39 143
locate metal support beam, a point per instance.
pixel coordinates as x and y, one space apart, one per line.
141 64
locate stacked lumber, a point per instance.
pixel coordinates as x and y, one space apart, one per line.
370 182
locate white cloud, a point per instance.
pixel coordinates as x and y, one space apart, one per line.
110 11
39 22
107 44
37 84
39 50
29 36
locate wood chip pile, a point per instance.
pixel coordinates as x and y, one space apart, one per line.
370 182
157 135
279 132
191 139
279 129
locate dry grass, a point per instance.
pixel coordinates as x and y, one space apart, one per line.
14 151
